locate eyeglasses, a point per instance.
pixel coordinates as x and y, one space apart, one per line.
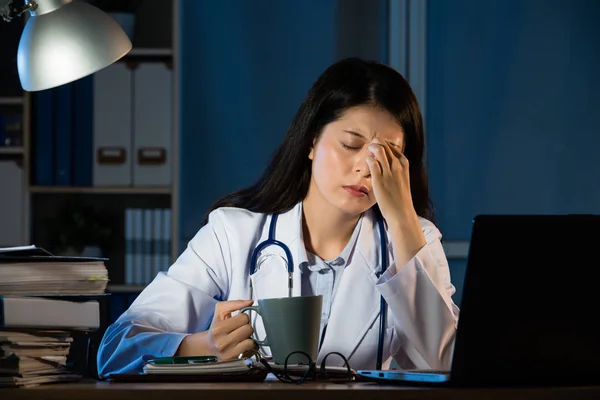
300 373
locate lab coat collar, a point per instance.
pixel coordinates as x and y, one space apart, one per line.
289 230
287 224
302 254
306 262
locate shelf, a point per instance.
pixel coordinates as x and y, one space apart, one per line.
149 52
11 101
11 150
101 190
125 288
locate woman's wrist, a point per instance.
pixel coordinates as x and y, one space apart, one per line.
407 238
195 344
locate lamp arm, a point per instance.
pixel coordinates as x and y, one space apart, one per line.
10 10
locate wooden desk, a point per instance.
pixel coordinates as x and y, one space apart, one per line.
278 391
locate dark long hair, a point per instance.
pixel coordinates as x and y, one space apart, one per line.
345 84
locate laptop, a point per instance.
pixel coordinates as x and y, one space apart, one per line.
530 306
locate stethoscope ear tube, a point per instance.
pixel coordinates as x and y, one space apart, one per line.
382 304
272 242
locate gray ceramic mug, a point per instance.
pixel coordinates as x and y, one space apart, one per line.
292 324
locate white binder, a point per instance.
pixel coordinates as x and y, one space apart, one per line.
152 124
138 246
166 239
11 204
148 271
129 246
112 126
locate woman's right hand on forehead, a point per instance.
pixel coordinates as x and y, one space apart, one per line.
227 336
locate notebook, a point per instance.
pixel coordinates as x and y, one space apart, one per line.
245 369
529 308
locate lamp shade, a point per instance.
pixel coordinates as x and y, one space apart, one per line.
64 41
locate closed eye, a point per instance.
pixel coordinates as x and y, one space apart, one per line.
350 148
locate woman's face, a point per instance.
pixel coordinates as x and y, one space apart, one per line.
340 174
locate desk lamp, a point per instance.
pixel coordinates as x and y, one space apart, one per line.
63 40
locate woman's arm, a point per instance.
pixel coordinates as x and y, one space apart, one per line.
174 305
419 296
417 286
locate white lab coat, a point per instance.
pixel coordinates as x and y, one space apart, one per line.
421 319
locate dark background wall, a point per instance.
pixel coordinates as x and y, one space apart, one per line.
511 99
245 68
512 110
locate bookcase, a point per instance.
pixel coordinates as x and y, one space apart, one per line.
53 212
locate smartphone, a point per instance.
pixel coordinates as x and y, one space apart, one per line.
183 360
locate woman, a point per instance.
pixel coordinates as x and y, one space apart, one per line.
352 154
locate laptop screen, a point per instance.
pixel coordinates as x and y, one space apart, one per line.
531 301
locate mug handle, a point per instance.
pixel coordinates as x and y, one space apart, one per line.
257 310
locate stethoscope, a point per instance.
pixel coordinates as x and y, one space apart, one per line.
290 267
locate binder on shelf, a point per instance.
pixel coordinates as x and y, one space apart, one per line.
112 126
147 239
83 129
43 139
166 239
138 255
157 248
147 247
129 255
152 124
63 135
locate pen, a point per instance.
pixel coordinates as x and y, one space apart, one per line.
183 360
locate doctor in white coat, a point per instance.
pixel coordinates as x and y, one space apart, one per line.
353 152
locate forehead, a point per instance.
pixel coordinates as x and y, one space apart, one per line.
371 122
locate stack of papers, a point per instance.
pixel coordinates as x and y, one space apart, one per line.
219 367
29 270
44 301
32 358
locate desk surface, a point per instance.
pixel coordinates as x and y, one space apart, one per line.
277 390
